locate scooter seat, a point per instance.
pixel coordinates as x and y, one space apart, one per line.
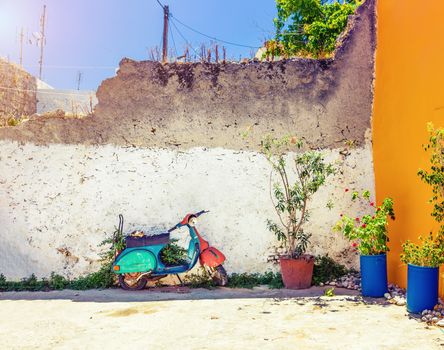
132 242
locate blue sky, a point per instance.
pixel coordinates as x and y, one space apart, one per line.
92 36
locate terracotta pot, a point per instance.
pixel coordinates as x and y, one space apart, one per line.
297 273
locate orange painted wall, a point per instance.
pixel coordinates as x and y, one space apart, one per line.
409 92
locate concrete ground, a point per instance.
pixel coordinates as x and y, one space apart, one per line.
208 319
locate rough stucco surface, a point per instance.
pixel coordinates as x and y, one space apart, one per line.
166 140
13 101
199 104
59 201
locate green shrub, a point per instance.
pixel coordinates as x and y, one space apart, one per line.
200 279
173 254
326 269
251 280
57 282
430 252
309 27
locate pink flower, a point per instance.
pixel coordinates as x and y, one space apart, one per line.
363 225
372 204
354 244
357 219
346 190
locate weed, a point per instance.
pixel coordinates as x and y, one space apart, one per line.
200 279
251 280
57 282
329 292
326 269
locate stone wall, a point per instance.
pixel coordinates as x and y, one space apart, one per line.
17 92
165 140
73 102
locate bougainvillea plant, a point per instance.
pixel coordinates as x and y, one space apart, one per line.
369 232
290 197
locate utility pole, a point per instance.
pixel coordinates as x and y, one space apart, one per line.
21 47
79 79
166 15
42 39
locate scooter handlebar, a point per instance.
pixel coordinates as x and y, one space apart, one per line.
173 228
180 224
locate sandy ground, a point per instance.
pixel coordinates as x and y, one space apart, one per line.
203 319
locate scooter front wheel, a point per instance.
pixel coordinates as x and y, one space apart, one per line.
220 276
131 281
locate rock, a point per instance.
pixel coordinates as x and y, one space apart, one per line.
440 323
399 301
321 284
435 319
332 283
387 296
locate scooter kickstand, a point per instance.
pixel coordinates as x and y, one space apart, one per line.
180 280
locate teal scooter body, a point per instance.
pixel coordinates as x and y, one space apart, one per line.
140 260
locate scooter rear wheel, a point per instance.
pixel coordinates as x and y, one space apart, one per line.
130 281
220 276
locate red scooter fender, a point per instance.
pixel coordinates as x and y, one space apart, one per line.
211 257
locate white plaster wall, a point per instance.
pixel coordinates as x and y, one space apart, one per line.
58 202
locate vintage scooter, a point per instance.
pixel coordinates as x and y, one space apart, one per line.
140 261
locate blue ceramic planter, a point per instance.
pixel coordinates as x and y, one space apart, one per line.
422 288
373 275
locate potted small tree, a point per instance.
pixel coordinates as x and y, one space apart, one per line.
369 235
423 260
290 195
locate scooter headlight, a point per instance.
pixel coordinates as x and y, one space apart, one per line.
192 222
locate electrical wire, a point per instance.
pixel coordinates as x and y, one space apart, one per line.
62 67
212 37
172 38
206 35
43 92
162 6
186 41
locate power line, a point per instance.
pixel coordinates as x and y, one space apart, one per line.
186 41
206 35
43 92
213 37
172 38
64 67
160 4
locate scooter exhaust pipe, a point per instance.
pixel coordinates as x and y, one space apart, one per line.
146 274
